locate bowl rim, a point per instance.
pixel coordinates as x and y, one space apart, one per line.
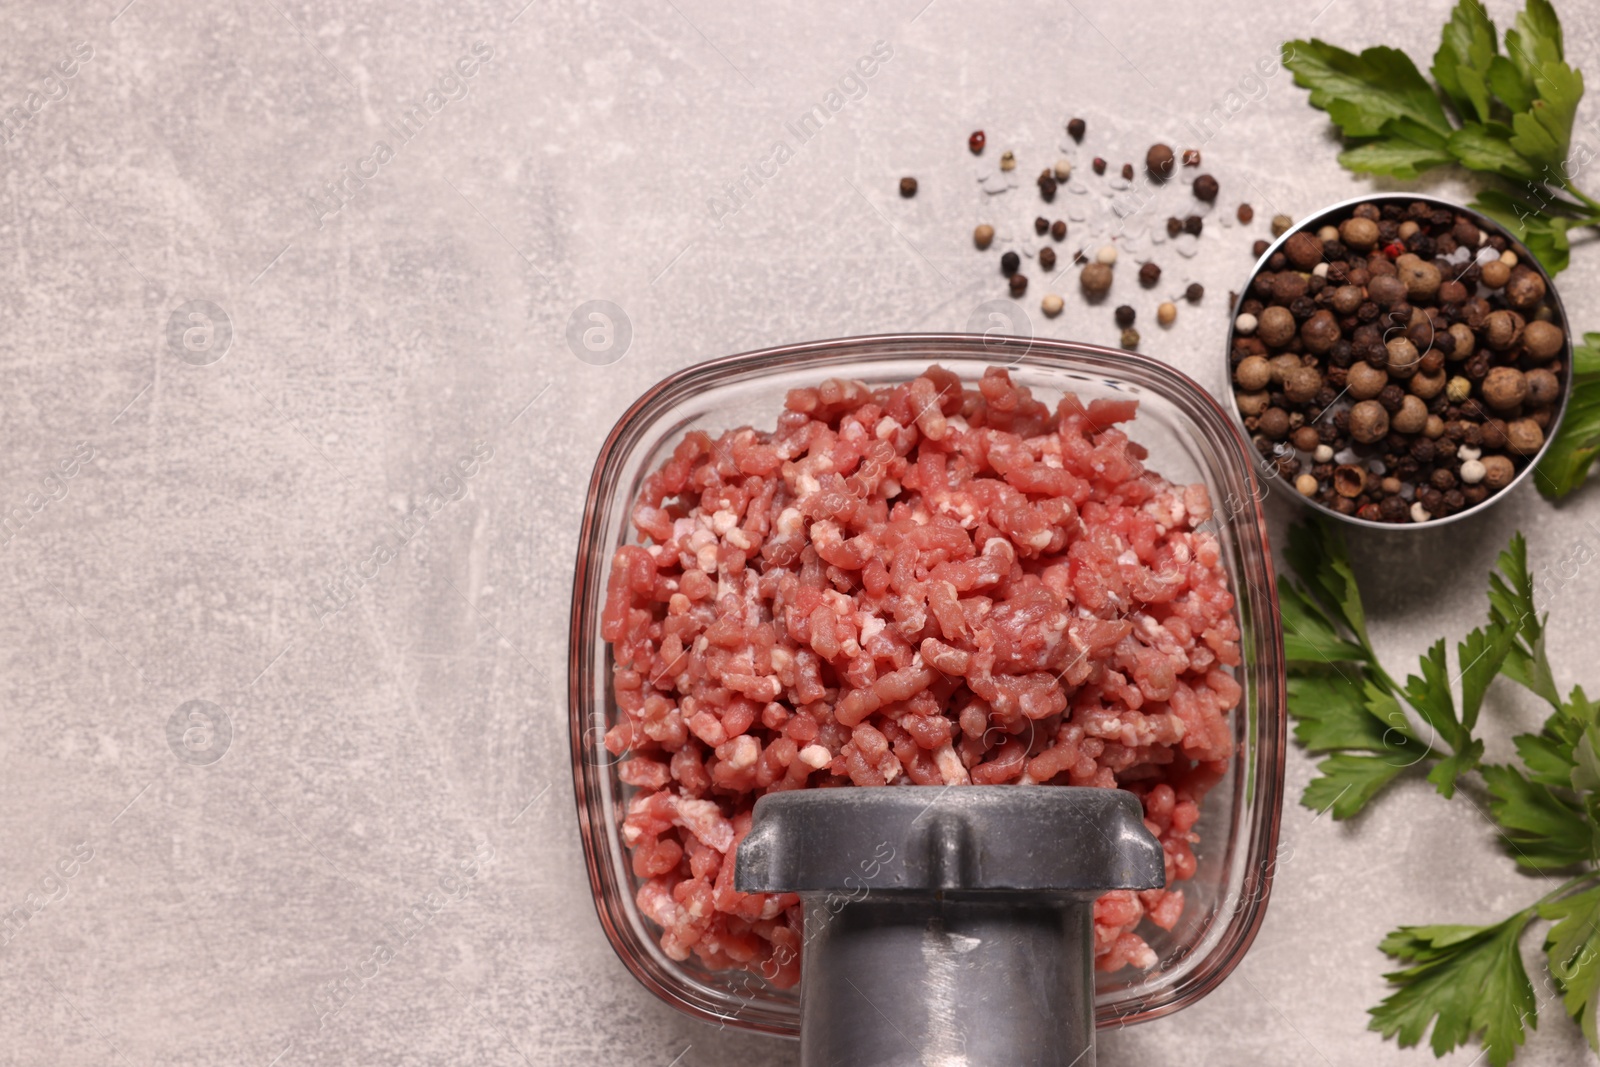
1483 222
1269 755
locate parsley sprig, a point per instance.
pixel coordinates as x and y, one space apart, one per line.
1505 114
1463 981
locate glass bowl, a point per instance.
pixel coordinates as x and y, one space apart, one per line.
1190 439
1330 214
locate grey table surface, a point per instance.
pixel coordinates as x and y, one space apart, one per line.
361 345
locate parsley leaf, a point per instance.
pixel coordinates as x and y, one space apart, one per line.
1321 560
1308 635
1332 716
1573 948
1544 828
1348 782
1462 979
1361 93
1461 65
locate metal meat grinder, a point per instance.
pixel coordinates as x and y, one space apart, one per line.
948 926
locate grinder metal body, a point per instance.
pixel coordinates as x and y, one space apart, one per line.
948 926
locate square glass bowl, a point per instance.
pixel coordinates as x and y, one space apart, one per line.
1190 439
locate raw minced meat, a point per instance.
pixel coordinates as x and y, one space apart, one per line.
923 583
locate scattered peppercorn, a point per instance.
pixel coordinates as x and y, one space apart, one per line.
1124 316
1191 157
1107 254
1019 284
1047 186
1047 258
1194 292
1281 224
1058 230
1205 188
908 187
1075 129
1260 248
1099 165
1041 225
983 235
1149 274
1158 163
1008 160
1245 213
1193 224
1174 226
1095 280
1051 305
1127 172
1010 263
976 142
1166 313
1130 339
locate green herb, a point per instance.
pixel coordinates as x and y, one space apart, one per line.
1507 114
1464 982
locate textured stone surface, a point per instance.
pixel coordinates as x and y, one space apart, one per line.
420 729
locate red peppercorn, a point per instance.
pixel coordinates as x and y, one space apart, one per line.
976 142
1394 250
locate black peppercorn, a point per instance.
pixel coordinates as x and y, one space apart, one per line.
1174 226
1041 225
908 187
1099 165
1391 397
1058 230
1124 316
1260 248
1047 187
1193 224
1159 162
1149 274
1205 188
1394 509
1019 284
1075 129
1047 258
1127 172
1010 263
1194 292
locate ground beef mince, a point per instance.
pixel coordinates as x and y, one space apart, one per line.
928 584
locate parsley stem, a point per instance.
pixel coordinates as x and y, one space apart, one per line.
1591 202
1566 887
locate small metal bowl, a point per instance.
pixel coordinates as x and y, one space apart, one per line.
1268 470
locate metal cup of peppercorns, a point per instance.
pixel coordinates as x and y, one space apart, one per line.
1398 360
